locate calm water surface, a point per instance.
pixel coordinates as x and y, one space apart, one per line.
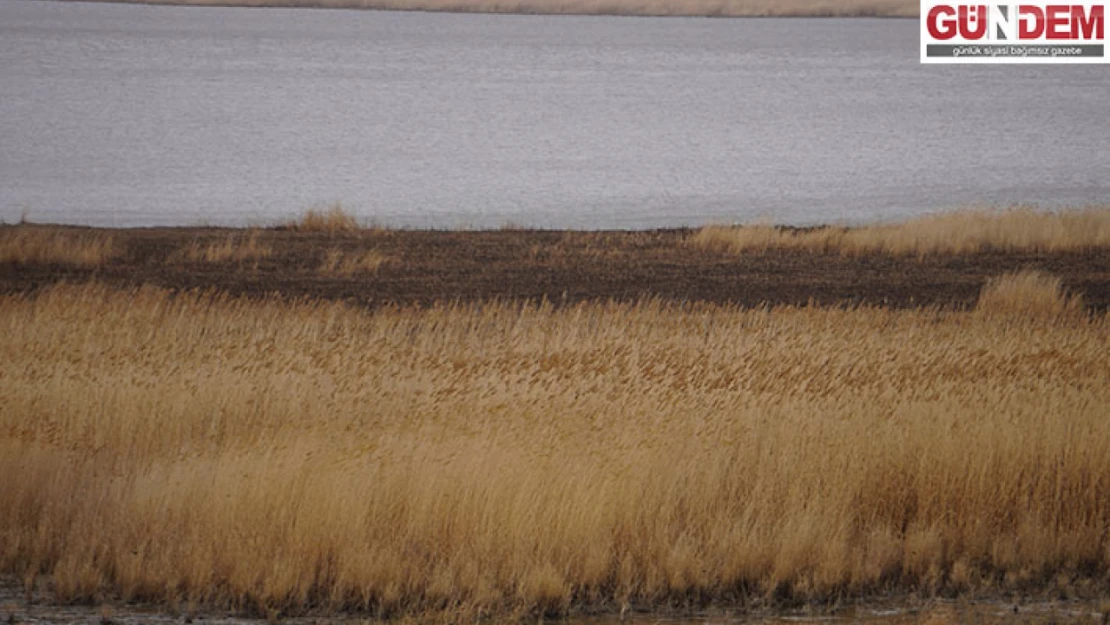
131 115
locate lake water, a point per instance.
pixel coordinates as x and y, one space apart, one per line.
132 115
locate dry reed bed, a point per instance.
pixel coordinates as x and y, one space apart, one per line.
332 220
247 250
715 8
943 233
28 244
508 459
236 248
1029 293
335 220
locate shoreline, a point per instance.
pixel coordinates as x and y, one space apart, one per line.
376 268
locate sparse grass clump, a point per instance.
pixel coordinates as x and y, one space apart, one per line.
229 248
513 459
332 220
1016 230
338 262
29 245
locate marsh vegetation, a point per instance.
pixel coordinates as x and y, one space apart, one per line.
512 458
963 232
286 454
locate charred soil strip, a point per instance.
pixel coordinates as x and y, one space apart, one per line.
424 267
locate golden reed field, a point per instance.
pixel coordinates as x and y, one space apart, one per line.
506 459
285 456
693 8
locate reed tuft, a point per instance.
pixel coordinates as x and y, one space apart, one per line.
27 244
1014 230
335 219
1029 293
338 262
236 248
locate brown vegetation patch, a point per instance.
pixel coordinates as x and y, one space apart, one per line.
377 267
964 232
1029 293
344 263
27 244
332 220
512 458
230 248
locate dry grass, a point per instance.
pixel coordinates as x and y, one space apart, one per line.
342 263
1029 293
230 248
331 220
716 8
509 459
945 233
29 244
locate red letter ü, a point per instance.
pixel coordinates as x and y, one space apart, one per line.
980 18
938 29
